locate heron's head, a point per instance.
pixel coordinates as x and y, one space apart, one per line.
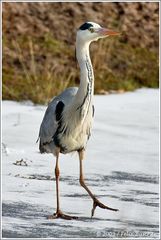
90 31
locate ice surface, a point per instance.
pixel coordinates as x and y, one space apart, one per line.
121 167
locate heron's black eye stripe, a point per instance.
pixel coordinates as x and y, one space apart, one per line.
85 26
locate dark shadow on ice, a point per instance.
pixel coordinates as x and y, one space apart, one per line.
23 210
98 179
124 176
30 220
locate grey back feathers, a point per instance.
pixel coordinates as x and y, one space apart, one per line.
52 117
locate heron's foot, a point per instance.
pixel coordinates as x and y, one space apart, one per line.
61 215
97 203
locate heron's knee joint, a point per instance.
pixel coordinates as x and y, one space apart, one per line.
81 181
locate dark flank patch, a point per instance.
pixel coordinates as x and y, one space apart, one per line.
85 26
58 115
58 110
60 129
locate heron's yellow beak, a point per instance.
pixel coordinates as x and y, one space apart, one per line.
108 32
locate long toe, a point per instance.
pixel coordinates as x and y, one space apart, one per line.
67 217
97 203
61 215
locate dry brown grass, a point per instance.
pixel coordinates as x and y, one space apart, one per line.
117 65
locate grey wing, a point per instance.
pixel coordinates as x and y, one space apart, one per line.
50 121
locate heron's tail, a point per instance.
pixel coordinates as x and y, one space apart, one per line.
41 147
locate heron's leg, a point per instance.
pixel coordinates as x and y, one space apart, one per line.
96 202
57 174
59 213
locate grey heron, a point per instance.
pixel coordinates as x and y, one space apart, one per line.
66 126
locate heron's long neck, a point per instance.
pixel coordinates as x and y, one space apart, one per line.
86 87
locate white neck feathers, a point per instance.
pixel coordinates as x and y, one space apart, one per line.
86 87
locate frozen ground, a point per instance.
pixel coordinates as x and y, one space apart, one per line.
121 167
